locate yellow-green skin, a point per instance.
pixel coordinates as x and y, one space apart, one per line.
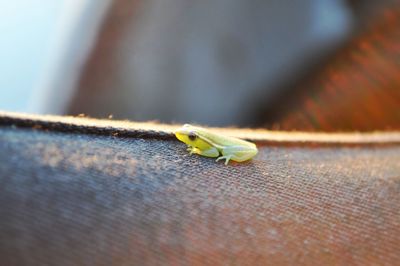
203 142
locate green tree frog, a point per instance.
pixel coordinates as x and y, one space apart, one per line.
203 142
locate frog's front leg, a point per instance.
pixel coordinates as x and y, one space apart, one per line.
211 152
237 153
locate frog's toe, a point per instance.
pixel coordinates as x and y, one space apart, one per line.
192 150
226 157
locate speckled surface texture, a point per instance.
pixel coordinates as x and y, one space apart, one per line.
76 199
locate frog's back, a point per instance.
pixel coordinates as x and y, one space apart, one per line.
221 140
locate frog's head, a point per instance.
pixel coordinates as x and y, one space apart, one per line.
189 135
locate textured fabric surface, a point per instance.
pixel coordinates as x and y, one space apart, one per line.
79 199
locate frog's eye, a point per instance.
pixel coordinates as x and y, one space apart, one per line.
192 136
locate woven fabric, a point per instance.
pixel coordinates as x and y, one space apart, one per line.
85 199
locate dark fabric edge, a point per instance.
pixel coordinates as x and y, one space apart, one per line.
17 122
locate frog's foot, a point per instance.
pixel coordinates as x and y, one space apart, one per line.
226 157
192 150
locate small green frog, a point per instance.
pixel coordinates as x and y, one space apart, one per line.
203 142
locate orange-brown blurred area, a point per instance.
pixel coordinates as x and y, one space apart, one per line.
359 88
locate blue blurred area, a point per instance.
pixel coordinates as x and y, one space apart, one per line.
27 28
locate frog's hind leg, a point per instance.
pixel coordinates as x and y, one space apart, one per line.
237 153
226 157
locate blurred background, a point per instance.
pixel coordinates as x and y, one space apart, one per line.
331 65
